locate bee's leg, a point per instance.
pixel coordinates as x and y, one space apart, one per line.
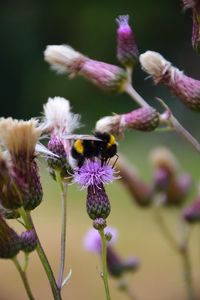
117 157
108 161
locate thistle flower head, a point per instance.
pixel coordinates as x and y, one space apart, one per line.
10 242
127 51
64 59
94 174
58 118
23 187
143 119
92 239
187 89
191 213
20 137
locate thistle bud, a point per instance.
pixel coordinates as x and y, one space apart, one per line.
191 213
142 119
127 51
117 266
28 241
10 243
185 88
65 59
98 205
107 77
141 192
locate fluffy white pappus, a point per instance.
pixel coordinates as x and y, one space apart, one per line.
154 63
20 137
108 124
62 58
58 118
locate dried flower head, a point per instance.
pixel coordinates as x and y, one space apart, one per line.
58 118
162 71
20 138
127 51
59 121
65 59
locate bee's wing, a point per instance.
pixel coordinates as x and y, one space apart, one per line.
88 137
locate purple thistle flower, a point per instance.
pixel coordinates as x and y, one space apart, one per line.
92 240
92 173
116 265
127 51
191 213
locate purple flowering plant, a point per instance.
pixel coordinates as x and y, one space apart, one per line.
93 161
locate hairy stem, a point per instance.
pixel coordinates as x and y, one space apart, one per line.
63 188
45 263
24 278
104 263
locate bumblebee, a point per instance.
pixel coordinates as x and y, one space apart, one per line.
103 145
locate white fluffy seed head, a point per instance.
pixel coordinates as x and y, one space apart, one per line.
154 63
20 137
58 117
63 58
110 124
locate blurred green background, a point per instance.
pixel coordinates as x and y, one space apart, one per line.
26 27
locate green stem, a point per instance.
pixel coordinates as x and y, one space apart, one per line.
135 96
63 187
187 273
24 278
29 225
104 263
181 248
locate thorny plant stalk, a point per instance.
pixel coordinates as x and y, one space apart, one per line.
24 278
63 188
180 247
29 225
104 263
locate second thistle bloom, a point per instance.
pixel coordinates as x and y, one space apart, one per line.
93 175
162 71
127 51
